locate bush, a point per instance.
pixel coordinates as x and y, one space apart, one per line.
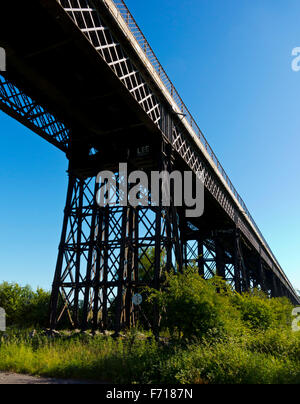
191 307
228 363
194 307
23 306
37 311
258 312
282 309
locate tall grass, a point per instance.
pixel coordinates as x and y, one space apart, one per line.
265 357
213 338
79 356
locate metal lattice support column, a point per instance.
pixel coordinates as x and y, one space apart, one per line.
224 256
108 254
193 251
274 286
262 275
241 275
147 250
209 256
73 275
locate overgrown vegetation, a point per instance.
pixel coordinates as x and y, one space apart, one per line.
210 335
193 307
23 306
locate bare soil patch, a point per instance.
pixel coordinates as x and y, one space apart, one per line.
12 378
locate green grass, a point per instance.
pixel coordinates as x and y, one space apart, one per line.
267 357
210 337
97 358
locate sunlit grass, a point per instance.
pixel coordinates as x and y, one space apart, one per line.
211 335
264 357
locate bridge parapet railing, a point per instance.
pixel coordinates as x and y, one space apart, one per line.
148 51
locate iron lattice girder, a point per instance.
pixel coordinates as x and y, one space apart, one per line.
86 16
212 258
223 254
88 19
106 256
25 110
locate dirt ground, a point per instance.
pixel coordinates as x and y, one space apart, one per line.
12 378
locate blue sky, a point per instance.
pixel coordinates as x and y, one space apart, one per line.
231 62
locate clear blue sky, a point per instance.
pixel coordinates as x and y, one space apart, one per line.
231 62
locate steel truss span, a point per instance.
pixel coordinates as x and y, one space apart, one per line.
109 99
25 110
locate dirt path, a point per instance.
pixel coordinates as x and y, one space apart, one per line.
12 378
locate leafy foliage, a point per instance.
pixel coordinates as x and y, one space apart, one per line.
258 312
190 305
210 335
193 307
23 306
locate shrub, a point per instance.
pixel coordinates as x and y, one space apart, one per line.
282 309
228 363
37 310
230 339
256 312
194 307
23 306
191 307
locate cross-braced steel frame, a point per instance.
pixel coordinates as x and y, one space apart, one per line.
24 109
109 254
224 253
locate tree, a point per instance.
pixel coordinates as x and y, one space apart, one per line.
23 306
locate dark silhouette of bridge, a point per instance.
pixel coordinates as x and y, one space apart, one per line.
81 75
